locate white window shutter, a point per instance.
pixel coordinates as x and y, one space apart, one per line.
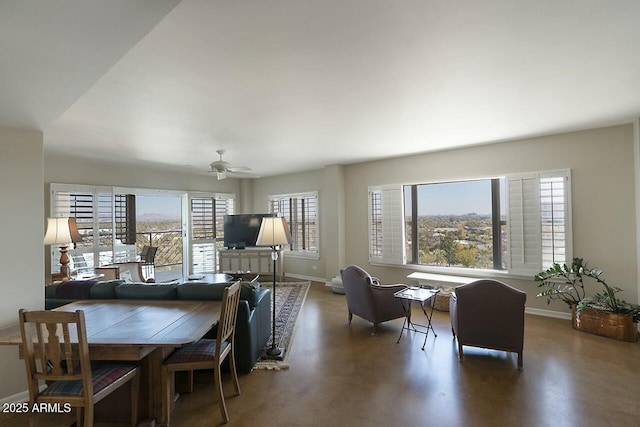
393 248
523 224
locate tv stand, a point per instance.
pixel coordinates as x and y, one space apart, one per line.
256 260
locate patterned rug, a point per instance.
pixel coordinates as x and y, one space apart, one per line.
290 297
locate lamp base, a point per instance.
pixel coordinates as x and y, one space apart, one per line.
274 353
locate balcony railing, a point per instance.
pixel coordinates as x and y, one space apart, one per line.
169 244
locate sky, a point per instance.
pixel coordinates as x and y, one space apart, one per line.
169 207
455 198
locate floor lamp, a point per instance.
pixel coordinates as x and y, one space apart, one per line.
274 232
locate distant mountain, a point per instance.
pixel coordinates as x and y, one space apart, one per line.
153 217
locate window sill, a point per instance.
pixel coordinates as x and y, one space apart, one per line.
457 271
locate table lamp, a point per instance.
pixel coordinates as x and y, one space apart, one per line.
59 233
274 232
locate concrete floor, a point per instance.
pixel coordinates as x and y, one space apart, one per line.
341 375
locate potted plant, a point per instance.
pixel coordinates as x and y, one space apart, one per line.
603 313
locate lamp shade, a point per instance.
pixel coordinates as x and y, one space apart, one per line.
274 231
57 231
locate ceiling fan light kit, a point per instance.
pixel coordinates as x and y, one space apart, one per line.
223 169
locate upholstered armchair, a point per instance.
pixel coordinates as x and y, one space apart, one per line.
488 314
367 298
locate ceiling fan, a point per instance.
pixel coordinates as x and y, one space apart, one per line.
223 169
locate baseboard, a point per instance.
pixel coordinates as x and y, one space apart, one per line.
303 277
548 313
23 396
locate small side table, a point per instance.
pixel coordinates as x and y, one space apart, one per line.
421 295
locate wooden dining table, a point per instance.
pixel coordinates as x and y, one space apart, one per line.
142 331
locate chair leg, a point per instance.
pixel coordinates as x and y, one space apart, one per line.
135 393
217 379
350 317
460 354
234 373
190 381
88 416
520 360
375 328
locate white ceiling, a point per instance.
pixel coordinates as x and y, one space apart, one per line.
291 85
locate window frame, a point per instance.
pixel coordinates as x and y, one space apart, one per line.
298 253
510 270
496 220
112 191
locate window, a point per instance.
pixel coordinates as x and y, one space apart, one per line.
301 212
455 224
516 223
207 229
114 230
94 210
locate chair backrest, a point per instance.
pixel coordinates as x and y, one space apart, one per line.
357 288
491 312
148 254
55 349
228 315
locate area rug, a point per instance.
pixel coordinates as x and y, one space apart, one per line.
290 297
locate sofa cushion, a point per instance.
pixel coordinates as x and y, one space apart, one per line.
145 291
213 291
74 289
105 289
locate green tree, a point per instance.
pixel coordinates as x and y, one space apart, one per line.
448 246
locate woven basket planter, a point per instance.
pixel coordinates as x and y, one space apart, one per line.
612 325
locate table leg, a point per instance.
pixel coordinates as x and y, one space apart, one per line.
151 386
407 318
429 325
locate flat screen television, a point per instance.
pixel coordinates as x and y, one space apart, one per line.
241 231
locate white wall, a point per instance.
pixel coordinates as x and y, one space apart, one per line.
69 170
603 200
603 196
22 251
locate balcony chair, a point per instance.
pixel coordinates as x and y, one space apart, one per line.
66 367
147 258
488 314
206 354
367 298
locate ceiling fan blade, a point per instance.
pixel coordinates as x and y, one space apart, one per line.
238 169
233 174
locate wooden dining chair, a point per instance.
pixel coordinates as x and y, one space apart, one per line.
207 354
59 354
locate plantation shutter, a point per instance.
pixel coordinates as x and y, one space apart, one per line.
555 212
523 224
375 225
125 218
207 229
301 213
386 225
94 214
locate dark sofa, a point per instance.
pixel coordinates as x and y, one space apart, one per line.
253 326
